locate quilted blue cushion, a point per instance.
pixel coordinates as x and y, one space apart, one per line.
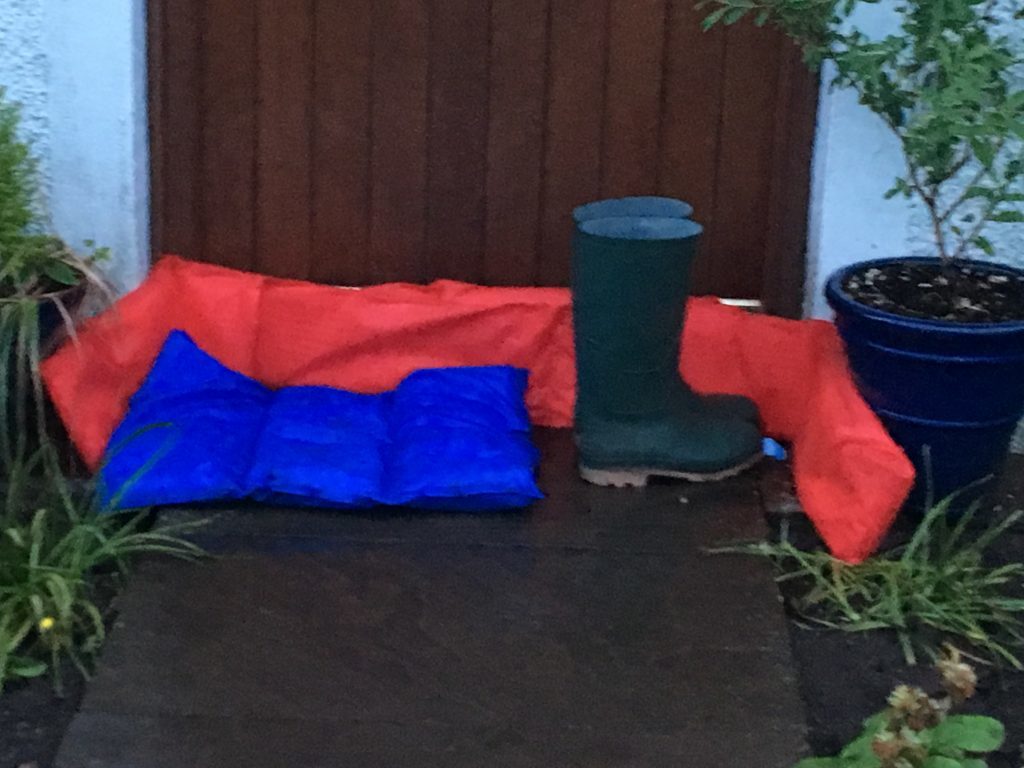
453 438
460 440
189 433
322 447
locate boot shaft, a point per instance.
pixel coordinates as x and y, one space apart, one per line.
630 281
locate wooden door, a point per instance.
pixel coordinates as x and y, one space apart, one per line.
360 141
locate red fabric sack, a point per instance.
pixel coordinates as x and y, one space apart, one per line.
851 478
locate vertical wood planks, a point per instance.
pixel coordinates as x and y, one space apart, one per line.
785 250
576 91
741 215
361 141
341 142
632 112
178 176
691 118
228 182
283 215
515 151
457 148
399 129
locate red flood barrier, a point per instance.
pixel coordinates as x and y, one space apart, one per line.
851 478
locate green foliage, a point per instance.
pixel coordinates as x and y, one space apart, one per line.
938 583
48 601
32 264
917 730
18 185
931 748
39 265
55 537
54 534
945 85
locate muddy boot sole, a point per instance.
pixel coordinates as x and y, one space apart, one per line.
639 477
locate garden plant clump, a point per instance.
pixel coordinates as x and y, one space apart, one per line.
858 631
936 587
33 263
55 564
918 730
948 84
60 549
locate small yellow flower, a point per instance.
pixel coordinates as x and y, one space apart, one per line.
46 623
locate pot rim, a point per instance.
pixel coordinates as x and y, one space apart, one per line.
839 299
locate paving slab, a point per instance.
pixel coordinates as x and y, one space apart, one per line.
590 631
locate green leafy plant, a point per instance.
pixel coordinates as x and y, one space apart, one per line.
42 266
918 731
56 535
48 588
58 544
27 456
42 284
32 263
938 584
947 84
18 186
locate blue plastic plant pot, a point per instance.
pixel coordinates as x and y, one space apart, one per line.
957 388
650 206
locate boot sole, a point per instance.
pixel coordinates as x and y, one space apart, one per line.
639 477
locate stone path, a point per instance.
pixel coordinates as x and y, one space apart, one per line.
590 632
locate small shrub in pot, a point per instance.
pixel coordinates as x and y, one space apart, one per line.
935 343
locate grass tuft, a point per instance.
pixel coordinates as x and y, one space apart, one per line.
938 584
60 545
49 601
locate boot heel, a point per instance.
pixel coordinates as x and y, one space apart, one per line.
616 478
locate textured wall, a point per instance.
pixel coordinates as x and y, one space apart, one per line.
79 70
99 146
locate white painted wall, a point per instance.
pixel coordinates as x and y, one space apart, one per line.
856 158
79 69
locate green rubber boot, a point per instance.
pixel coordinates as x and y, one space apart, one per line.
635 417
669 208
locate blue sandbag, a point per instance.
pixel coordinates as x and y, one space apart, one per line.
321 447
462 469
491 397
196 431
189 432
460 440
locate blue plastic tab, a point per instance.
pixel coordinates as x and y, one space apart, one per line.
773 449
